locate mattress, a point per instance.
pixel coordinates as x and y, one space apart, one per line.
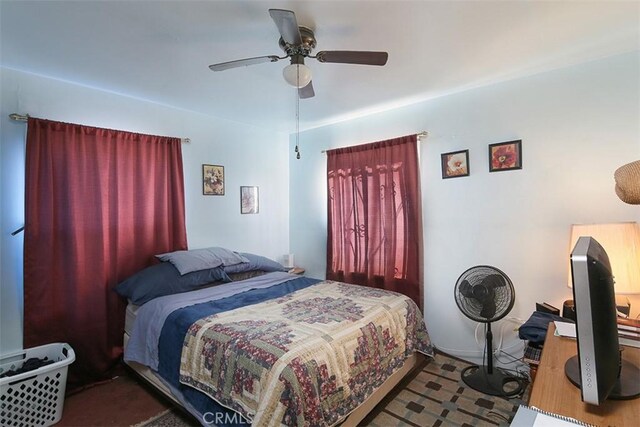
130 317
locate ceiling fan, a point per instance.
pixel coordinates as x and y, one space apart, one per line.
298 42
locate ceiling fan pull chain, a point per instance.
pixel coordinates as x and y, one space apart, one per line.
297 115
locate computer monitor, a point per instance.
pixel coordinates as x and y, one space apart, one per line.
599 369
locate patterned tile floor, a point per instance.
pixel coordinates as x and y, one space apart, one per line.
437 396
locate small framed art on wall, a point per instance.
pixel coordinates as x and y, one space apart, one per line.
505 156
455 164
249 200
213 180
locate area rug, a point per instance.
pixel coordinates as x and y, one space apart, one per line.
437 396
121 401
433 395
169 418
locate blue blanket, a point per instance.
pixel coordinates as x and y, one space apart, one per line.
178 323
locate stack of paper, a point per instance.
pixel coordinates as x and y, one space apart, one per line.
565 329
529 416
629 331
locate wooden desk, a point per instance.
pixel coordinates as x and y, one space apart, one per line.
553 392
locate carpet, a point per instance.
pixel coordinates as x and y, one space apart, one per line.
437 396
123 401
433 395
170 418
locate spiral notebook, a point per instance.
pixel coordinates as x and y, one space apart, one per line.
531 416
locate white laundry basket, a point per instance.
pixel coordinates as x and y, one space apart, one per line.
34 398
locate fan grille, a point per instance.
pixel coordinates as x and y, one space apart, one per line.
479 284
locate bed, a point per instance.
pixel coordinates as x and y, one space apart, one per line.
276 349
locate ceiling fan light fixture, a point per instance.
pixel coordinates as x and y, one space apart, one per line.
297 75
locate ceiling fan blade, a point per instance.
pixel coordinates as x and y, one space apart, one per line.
243 62
353 57
307 91
287 25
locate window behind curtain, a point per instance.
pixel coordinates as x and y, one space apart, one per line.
100 204
374 216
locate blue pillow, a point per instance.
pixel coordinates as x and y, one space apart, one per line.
201 259
164 279
255 262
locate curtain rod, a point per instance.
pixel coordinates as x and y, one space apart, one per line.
420 135
24 117
19 117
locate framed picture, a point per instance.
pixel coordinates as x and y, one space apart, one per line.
213 180
249 202
505 156
455 164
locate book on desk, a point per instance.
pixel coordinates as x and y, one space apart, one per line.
629 331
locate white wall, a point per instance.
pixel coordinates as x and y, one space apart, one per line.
250 156
577 125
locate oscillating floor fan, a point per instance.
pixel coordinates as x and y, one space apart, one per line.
485 294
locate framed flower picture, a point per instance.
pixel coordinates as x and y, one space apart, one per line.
505 156
213 180
455 164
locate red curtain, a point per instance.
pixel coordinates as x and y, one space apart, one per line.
99 204
375 216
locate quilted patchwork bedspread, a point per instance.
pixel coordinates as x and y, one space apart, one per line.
307 358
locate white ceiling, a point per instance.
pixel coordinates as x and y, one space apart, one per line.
160 50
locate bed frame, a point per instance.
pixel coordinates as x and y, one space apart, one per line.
352 420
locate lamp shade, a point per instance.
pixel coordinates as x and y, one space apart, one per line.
297 75
621 241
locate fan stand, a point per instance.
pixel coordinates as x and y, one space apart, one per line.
490 380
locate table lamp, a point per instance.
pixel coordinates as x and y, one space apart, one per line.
621 241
